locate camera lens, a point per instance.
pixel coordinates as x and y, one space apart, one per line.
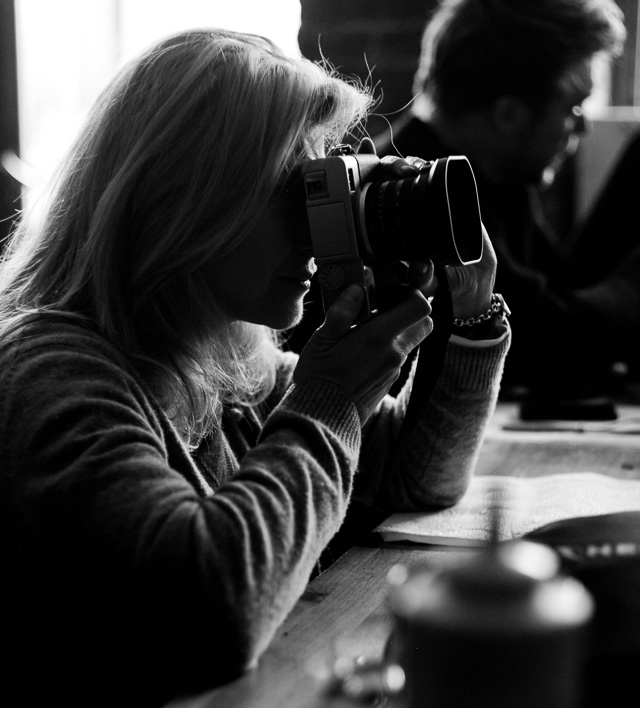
433 216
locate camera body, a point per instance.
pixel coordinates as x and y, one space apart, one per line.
365 229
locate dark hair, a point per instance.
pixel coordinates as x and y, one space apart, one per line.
474 51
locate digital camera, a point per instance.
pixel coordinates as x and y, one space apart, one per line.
366 230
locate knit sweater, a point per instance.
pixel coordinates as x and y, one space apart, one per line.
135 569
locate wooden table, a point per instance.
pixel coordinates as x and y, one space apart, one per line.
344 612
531 454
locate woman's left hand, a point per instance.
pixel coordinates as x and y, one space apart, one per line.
472 285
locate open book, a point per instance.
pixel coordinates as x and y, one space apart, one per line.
517 504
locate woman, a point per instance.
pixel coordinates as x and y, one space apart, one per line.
170 476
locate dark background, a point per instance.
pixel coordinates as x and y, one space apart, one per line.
375 40
381 39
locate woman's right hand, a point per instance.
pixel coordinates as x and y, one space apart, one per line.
364 360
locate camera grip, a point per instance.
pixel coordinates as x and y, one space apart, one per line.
334 277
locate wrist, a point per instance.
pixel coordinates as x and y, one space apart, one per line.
480 326
471 303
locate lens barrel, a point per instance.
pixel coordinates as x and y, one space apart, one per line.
433 216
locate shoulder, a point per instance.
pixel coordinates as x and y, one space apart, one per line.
71 401
48 347
58 360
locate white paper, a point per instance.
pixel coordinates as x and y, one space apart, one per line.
522 505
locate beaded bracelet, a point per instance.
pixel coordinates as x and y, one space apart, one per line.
477 327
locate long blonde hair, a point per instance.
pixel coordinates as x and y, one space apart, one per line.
172 169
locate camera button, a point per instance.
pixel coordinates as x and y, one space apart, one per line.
331 276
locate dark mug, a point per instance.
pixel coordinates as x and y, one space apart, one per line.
501 629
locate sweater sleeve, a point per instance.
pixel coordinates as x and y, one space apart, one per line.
437 461
99 505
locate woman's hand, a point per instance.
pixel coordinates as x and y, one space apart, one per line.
472 285
364 360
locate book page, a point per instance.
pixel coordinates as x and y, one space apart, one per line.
522 504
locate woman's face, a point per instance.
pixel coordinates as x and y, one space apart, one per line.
265 278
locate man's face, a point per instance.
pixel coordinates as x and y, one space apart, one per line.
551 134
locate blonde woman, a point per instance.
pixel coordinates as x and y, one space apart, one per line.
169 476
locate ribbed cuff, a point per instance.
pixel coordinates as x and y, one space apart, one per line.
475 367
326 403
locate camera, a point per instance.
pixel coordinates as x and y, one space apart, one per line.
366 229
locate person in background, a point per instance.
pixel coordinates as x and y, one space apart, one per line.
503 82
169 475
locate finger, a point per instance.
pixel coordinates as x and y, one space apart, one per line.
416 162
398 167
343 312
412 310
422 276
414 335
